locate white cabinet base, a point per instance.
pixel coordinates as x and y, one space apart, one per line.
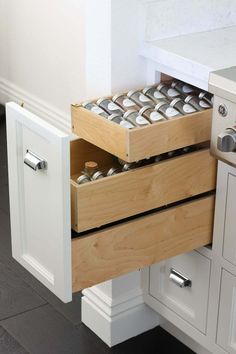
115 310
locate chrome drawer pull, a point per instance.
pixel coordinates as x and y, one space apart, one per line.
179 279
35 162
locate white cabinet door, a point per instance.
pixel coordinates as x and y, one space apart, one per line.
229 248
226 336
40 200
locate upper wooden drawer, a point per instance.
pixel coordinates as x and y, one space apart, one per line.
140 143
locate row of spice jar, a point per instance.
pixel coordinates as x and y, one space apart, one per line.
152 104
92 171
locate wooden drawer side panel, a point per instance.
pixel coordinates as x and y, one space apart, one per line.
99 131
121 249
141 190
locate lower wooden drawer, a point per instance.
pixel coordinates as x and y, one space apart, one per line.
117 250
130 193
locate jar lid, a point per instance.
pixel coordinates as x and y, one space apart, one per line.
97 175
114 98
130 93
202 95
83 179
101 100
129 112
112 116
188 98
84 104
160 104
146 89
160 86
173 103
144 109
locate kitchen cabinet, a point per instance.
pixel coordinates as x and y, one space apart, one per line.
46 202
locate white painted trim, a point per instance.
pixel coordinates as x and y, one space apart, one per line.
183 338
128 320
47 112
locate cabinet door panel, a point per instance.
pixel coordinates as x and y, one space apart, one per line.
226 336
229 250
39 199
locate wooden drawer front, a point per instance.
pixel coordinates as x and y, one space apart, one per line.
188 302
226 334
140 143
130 193
147 240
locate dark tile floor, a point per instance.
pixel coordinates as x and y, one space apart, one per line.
32 320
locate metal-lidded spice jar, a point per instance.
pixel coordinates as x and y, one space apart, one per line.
197 103
83 179
136 119
168 111
93 107
152 115
113 171
183 88
97 175
154 94
141 99
182 107
125 102
90 168
130 166
168 91
207 96
109 106
116 118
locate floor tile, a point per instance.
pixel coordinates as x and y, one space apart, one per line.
152 342
15 295
4 198
44 330
8 344
5 235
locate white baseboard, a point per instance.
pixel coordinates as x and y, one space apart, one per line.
116 323
10 92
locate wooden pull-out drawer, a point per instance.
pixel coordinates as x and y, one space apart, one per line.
40 209
140 143
117 250
130 193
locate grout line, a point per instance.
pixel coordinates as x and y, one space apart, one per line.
20 313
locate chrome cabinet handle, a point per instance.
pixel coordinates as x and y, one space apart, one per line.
34 161
179 279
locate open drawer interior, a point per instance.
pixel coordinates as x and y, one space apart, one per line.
130 193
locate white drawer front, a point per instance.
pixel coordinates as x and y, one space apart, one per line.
190 301
226 335
40 199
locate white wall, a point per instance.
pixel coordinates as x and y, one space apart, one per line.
170 18
42 55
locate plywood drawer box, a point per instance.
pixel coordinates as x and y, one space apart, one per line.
140 143
130 193
141 242
40 189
